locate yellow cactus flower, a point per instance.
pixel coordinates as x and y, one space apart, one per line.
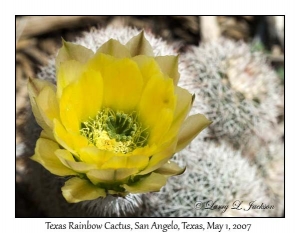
114 120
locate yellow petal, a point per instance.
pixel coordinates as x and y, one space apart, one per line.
129 161
139 45
191 127
48 105
162 126
146 150
92 154
183 106
100 61
148 67
151 183
114 48
47 135
110 175
156 106
71 51
68 160
159 159
170 168
82 100
122 80
45 155
69 140
76 190
69 72
90 93
169 66
35 86
70 109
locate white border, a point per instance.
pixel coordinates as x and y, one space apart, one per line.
9 9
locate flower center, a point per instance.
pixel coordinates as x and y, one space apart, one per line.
115 131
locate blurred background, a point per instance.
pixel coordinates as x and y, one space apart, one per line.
39 37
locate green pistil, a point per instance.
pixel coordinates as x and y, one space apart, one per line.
115 131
